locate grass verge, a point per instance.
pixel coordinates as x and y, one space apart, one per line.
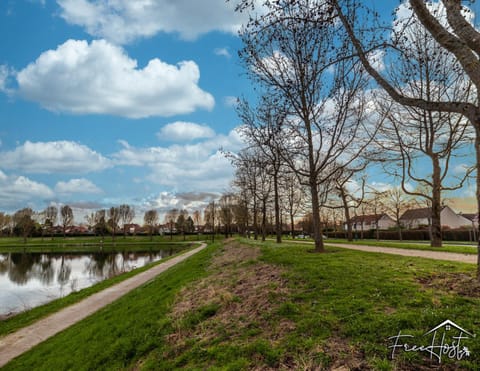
262 306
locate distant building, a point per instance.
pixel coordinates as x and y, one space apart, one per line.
367 222
416 218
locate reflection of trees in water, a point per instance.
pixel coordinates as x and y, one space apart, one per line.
20 268
4 263
44 270
64 271
94 267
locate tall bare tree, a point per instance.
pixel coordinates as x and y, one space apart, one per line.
453 33
127 213
66 214
293 60
262 128
113 220
51 214
151 219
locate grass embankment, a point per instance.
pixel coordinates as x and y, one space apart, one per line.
265 306
26 318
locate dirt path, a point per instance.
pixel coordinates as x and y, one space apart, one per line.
26 338
437 255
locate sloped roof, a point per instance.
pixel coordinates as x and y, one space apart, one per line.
422 213
472 217
367 219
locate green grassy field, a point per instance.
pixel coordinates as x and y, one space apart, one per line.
93 243
252 305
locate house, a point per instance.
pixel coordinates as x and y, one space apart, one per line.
473 219
366 222
416 218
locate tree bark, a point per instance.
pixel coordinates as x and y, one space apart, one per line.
436 224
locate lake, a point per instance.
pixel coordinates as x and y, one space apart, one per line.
28 280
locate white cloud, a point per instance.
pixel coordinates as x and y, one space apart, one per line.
80 185
17 192
123 21
54 157
100 78
231 101
222 52
376 59
184 131
185 167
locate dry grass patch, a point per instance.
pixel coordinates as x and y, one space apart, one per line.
455 283
235 303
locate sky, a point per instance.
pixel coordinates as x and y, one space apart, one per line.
115 102
104 103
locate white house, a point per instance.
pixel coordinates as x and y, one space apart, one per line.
366 222
422 217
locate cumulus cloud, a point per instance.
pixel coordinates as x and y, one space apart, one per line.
222 52
54 157
230 101
185 131
100 78
19 191
80 185
186 167
123 21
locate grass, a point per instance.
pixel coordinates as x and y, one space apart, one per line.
92 243
282 307
26 318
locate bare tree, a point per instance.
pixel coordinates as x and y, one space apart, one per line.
114 217
170 218
262 128
293 196
51 214
210 217
291 58
151 219
396 203
24 222
226 206
127 213
453 33
197 217
66 214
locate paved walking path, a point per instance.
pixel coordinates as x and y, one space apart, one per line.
429 254
26 338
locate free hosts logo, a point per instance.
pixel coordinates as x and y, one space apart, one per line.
445 340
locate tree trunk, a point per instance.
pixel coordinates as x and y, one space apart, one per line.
278 226
317 235
347 215
477 151
436 224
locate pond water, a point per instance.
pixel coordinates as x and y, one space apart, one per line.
28 280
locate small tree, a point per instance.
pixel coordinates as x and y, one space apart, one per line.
66 213
51 214
127 213
114 218
151 219
24 223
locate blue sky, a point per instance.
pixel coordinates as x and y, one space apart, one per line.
102 106
111 102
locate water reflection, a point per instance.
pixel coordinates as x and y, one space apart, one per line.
31 279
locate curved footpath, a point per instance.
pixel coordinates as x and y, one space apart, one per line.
26 338
428 254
